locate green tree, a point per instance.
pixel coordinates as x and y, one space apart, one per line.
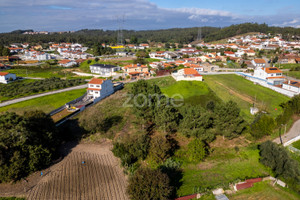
160 149
228 120
149 184
197 150
262 125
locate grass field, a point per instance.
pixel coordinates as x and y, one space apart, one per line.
297 144
193 92
245 93
40 73
222 167
46 103
287 66
294 74
265 191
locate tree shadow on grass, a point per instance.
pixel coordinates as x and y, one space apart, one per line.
109 122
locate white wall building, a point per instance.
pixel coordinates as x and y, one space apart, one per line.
6 77
187 74
272 75
292 86
104 70
100 88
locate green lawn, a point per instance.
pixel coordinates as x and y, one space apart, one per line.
294 74
46 103
244 93
193 92
296 144
287 66
222 167
265 191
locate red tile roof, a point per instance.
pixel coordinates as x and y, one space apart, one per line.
276 77
259 61
190 71
96 81
271 70
3 73
243 186
98 89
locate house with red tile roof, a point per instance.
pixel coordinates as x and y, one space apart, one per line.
292 86
187 74
259 62
272 75
6 77
99 88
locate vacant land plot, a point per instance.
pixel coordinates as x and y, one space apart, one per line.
294 74
245 93
221 168
46 103
265 191
193 92
99 177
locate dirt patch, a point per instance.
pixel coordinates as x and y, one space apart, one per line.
226 143
99 177
241 96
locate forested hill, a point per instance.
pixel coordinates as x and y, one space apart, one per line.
180 35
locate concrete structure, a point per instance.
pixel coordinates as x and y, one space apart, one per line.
291 85
259 62
6 77
272 75
104 70
100 88
187 74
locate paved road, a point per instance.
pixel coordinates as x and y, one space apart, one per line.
293 132
6 103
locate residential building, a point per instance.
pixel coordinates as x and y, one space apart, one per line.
259 62
67 63
272 75
292 86
104 70
100 88
187 74
6 77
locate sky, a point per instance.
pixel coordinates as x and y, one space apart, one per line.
72 15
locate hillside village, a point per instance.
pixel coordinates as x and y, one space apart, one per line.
201 120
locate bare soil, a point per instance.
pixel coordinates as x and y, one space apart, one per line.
99 177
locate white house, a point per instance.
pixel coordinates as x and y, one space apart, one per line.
104 70
272 75
67 63
292 86
187 74
6 77
100 88
43 56
259 62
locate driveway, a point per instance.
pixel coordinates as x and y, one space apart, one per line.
293 132
6 103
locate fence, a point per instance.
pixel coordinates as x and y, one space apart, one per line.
264 83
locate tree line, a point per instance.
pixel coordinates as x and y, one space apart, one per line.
27 143
175 35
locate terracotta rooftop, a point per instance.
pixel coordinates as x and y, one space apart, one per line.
190 71
260 61
271 70
96 81
3 73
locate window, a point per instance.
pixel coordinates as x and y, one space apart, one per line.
91 85
278 74
97 85
96 92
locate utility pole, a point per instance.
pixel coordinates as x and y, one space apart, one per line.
199 37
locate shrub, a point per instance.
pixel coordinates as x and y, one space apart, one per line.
197 150
262 125
149 184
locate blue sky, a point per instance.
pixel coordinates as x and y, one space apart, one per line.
62 15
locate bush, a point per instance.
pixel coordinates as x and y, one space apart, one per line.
262 125
197 150
149 184
278 160
160 149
